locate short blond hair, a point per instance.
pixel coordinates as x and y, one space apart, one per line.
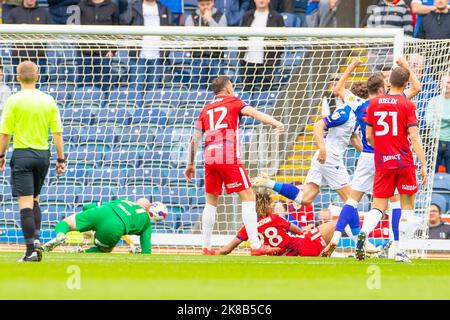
27 72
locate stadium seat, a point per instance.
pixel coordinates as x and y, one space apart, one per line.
173 136
195 98
172 195
122 158
112 117
291 20
365 204
441 201
291 59
5 193
164 96
96 194
146 176
125 97
156 159
197 196
87 154
59 194
189 218
61 93
323 199
75 174
98 134
62 73
59 210
441 181
149 116
135 192
10 212
76 117
137 134
169 224
87 97
231 57
108 176
184 117
267 98
71 134
180 57
176 178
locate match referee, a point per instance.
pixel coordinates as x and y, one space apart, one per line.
28 115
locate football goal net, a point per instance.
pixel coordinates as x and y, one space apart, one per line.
129 98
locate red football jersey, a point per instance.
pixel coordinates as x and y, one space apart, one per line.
219 120
390 116
273 230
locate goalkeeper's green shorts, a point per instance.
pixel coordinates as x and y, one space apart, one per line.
107 225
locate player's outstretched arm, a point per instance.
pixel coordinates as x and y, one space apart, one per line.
145 239
230 246
264 118
356 142
319 132
59 145
340 87
369 135
294 229
189 172
416 143
415 87
4 141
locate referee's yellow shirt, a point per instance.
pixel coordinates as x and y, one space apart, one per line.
29 114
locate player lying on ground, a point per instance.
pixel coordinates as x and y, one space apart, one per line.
362 181
392 129
275 232
327 166
110 221
219 121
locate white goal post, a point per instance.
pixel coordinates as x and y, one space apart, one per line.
129 98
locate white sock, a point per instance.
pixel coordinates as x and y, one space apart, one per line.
208 221
406 228
352 203
349 233
371 219
250 219
337 235
299 197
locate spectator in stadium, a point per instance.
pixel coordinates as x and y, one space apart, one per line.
207 62
64 11
147 62
321 13
258 61
436 24
421 8
8 5
440 107
437 228
94 63
5 91
30 13
387 14
234 10
279 5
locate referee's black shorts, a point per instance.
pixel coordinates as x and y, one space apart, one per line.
29 168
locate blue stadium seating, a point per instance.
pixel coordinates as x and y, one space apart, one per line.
135 192
197 196
267 98
365 204
125 97
98 134
146 176
149 116
76 116
195 98
9 212
156 159
183 116
323 199
53 213
96 194
176 178
291 59
170 224
122 158
62 73
441 181
61 93
75 174
5 193
88 154
87 97
173 195
172 135
189 218
71 134
291 20
441 201
163 96
108 176
137 134
59 194
113 117
182 57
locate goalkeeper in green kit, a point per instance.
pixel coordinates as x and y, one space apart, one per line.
110 221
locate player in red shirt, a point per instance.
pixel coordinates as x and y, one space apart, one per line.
219 121
391 126
273 230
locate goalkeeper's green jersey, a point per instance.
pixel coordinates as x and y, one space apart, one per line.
135 218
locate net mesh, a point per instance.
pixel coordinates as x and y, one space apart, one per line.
129 104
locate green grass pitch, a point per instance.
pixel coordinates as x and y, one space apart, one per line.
125 276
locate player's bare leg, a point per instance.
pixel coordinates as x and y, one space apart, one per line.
250 220
327 230
61 229
379 206
208 221
303 197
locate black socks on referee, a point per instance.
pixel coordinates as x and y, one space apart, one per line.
28 228
37 220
